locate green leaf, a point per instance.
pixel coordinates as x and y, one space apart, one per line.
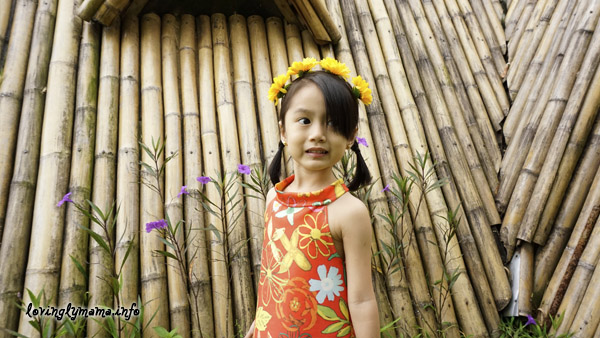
166 254
335 327
344 309
327 313
99 240
79 267
345 331
161 331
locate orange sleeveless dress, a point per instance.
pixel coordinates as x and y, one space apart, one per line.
302 289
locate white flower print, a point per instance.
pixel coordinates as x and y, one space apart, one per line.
289 213
329 285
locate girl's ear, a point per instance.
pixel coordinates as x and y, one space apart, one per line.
353 138
282 132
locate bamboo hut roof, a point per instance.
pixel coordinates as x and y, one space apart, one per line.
498 99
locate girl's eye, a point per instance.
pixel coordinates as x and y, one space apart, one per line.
330 123
304 120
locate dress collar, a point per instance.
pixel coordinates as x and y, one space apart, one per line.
315 198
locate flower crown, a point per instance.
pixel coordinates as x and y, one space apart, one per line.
279 87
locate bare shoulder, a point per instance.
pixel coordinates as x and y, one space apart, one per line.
270 195
349 212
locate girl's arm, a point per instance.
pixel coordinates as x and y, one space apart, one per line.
356 237
250 333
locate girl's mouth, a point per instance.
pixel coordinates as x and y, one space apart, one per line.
316 152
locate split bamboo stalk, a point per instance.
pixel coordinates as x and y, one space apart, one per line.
512 224
309 45
572 152
72 282
418 146
529 44
535 99
524 304
201 302
528 13
538 67
456 30
588 316
492 31
554 293
494 19
572 113
128 178
110 10
466 309
19 211
473 41
153 275
458 164
243 293
324 16
414 268
466 89
460 110
562 225
248 131
11 94
105 167
397 284
377 200
572 302
179 307
88 8
54 166
5 12
261 64
513 13
481 30
221 296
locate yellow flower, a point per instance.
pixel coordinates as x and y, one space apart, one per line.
299 67
362 90
262 319
278 87
335 67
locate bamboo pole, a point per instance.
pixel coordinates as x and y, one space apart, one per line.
456 30
493 16
223 323
468 24
324 16
105 166
531 14
179 307
492 31
588 316
536 99
88 8
572 304
524 303
553 110
327 51
499 9
293 45
309 45
554 293
572 113
416 137
467 188
135 7
197 254
19 211
513 13
54 166
572 152
128 178
261 66
535 73
11 94
396 282
528 47
237 251
110 10
480 30
377 200
153 273
566 215
465 309
5 13
248 131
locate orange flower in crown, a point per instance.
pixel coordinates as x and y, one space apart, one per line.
279 88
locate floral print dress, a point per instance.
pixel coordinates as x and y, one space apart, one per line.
302 287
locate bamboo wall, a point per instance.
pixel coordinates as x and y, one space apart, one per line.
76 97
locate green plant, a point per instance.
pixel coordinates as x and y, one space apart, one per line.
527 327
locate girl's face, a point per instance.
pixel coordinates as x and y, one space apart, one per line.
312 141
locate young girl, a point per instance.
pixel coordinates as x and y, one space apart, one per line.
315 278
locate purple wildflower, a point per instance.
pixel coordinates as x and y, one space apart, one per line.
183 191
65 199
243 169
203 179
160 224
362 140
387 188
530 320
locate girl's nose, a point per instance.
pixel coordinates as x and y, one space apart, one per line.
318 132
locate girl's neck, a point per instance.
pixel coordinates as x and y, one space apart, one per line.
311 181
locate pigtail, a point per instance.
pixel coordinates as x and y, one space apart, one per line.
275 166
361 176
